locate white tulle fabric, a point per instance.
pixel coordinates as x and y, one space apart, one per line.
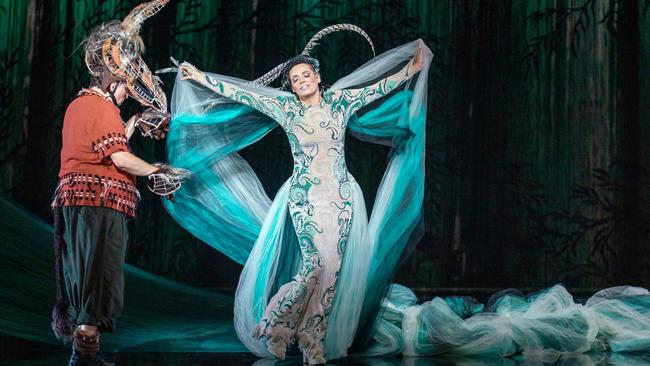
542 326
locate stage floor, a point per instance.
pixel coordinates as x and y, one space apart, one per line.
60 357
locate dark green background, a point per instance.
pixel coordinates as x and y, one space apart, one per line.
537 166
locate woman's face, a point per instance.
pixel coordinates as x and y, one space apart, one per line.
304 81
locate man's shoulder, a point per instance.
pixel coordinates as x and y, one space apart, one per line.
91 106
89 101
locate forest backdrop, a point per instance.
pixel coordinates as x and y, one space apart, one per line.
537 167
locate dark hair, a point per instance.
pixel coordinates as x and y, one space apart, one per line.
300 59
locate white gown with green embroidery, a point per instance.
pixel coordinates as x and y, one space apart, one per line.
316 268
311 256
320 201
321 204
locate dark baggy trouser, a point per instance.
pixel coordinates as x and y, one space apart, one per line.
92 258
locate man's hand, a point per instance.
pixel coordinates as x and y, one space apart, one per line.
153 123
166 180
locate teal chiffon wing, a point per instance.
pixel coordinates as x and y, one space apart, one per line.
223 203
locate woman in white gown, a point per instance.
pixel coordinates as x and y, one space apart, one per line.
315 254
315 267
320 199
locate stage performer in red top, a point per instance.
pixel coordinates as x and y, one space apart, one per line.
96 194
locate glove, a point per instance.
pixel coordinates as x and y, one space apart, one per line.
153 123
166 180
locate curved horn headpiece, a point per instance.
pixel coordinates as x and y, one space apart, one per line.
132 22
114 50
268 78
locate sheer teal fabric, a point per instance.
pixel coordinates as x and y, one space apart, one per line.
545 325
216 205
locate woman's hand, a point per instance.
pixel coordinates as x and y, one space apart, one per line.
416 63
189 71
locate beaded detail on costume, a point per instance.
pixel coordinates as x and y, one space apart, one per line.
104 143
94 190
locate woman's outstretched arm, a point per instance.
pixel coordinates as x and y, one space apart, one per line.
271 106
354 99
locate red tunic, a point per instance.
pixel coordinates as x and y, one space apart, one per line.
92 131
